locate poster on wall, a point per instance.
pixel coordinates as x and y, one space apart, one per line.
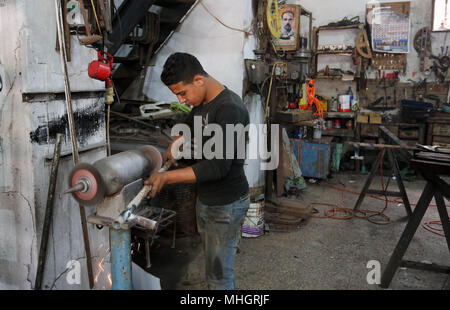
288 40
390 31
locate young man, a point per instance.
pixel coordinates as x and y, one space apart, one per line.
222 186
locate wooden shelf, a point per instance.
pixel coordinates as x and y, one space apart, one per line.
339 114
340 27
336 78
345 52
339 132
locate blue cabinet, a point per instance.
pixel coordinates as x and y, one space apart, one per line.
313 158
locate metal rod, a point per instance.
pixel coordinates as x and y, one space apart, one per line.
143 222
70 117
382 146
48 213
79 187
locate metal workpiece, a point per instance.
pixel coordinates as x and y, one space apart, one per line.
90 183
143 222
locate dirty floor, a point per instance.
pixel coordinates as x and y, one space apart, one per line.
323 253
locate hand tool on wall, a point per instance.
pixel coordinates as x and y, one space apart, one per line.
90 39
362 44
422 45
313 102
273 18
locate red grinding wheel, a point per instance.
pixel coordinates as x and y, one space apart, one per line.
96 190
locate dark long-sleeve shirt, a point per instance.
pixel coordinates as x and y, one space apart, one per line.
221 181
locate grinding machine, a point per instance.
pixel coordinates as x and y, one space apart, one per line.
115 185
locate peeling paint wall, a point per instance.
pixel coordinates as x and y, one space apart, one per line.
29 64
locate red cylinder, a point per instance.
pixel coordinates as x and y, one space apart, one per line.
99 70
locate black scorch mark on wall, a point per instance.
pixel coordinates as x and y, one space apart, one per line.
87 122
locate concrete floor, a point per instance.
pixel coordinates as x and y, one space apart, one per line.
323 254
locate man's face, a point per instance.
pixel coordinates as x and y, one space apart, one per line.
193 94
287 20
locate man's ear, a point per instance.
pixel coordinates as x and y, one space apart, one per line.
199 80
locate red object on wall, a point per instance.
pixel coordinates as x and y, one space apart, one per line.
292 105
101 69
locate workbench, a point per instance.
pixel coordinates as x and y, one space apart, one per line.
431 165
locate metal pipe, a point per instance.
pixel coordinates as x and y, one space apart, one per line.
143 222
73 137
48 213
120 241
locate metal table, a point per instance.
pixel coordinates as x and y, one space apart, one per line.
431 165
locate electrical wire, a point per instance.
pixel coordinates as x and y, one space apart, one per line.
108 115
368 214
96 18
216 18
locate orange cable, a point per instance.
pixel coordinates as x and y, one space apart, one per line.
350 213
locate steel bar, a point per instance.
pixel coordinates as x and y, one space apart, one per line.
384 146
48 213
73 138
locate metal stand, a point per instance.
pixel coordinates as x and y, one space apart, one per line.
120 241
396 172
435 187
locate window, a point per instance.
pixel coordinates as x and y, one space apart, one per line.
441 15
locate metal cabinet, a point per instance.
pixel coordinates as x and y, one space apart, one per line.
313 158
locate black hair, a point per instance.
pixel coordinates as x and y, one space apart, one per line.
181 67
290 12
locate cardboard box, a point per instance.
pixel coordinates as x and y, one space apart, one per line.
375 118
362 118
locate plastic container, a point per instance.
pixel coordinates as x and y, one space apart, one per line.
337 123
329 125
344 103
254 221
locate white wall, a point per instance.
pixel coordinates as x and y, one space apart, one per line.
30 64
220 50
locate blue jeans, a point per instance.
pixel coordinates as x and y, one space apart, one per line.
220 230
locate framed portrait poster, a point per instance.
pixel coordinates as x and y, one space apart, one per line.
288 40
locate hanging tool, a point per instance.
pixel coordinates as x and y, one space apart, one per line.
90 39
362 44
313 102
422 45
273 18
101 70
